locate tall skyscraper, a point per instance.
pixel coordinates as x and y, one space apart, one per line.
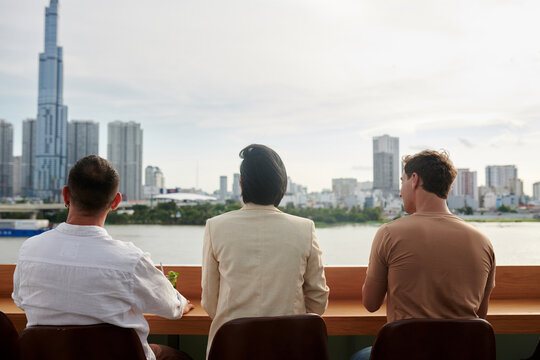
498 176
236 190
222 188
386 169
28 157
50 164
124 151
16 175
82 140
6 159
465 184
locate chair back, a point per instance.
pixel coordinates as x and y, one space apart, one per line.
293 337
442 339
85 342
536 353
9 339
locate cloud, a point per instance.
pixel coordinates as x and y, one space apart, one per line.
466 142
362 168
316 78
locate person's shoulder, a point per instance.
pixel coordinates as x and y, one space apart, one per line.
472 230
127 246
404 221
224 217
296 219
36 241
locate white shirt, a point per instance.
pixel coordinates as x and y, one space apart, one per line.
79 275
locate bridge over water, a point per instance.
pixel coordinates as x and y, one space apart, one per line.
35 208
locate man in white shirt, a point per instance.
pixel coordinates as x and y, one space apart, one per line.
76 274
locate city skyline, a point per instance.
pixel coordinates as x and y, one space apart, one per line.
327 79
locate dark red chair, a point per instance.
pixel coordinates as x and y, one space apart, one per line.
9 339
441 339
294 337
86 342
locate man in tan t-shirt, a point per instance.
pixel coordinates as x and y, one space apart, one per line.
430 264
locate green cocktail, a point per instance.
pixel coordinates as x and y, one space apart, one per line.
172 276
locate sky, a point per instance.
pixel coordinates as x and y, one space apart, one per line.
315 80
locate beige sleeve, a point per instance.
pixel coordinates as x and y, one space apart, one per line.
210 275
315 289
378 265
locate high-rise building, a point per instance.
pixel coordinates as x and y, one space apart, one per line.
82 140
464 191
153 176
28 157
222 188
124 151
498 176
536 191
17 175
465 184
516 187
51 125
386 171
149 179
236 190
6 159
159 178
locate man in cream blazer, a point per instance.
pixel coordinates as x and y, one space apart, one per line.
259 261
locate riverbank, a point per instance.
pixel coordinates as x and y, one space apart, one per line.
171 214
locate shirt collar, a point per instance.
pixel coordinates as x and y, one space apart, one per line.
82 230
252 206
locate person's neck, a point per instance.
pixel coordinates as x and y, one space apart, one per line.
429 202
76 218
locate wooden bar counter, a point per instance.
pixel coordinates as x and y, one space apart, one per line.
514 307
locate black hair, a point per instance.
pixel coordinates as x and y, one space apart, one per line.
263 175
92 184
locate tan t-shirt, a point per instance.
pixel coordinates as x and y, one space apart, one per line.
435 266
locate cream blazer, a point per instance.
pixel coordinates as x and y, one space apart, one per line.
259 261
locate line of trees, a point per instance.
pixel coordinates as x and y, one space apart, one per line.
336 215
170 214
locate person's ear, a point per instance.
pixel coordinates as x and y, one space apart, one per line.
117 200
416 180
65 195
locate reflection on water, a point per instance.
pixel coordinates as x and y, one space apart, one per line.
514 243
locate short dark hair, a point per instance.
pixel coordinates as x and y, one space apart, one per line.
434 168
92 184
263 175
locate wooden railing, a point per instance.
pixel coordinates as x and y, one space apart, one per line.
514 307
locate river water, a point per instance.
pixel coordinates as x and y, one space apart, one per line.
514 243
